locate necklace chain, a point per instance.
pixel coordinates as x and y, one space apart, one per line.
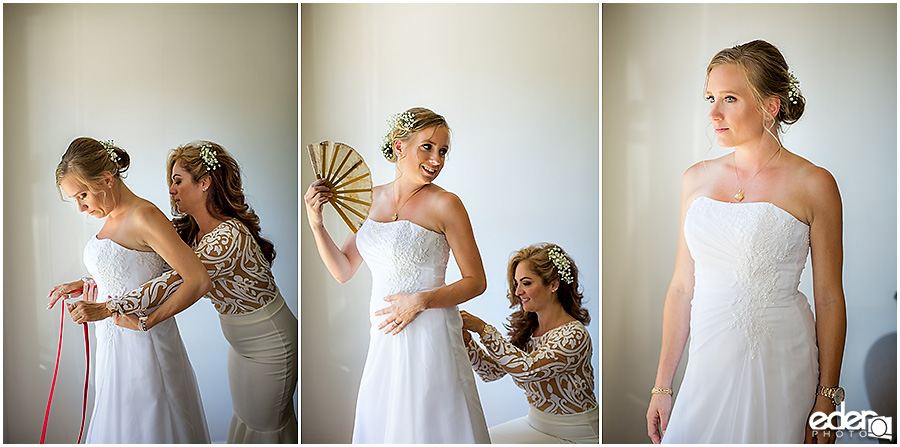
396 213
739 196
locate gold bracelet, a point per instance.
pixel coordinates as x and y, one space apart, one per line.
660 390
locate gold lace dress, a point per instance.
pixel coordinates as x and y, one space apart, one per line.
556 374
259 327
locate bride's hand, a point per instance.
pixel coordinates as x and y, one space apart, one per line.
84 311
658 416
64 292
316 196
404 310
126 321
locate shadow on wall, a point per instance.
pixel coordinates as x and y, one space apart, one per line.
881 379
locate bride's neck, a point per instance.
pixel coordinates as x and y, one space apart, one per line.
123 198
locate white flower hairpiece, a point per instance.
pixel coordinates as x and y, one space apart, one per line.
403 121
794 92
561 261
208 154
110 150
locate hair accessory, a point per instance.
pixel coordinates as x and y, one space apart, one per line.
403 121
208 154
794 92
110 150
561 261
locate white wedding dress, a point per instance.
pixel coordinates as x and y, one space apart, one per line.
417 386
145 388
752 363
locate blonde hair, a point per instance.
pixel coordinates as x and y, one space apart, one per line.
767 75
421 118
86 160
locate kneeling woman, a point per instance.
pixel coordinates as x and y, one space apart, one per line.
548 353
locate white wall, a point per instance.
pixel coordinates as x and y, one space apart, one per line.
654 119
151 77
519 86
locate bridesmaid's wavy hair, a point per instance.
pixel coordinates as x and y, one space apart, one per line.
86 160
521 323
226 193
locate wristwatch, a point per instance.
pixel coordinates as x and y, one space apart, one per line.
835 393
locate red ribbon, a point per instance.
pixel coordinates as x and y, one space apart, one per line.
87 349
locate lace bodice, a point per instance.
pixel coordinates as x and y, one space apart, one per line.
117 269
555 369
748 256
403 257
241 276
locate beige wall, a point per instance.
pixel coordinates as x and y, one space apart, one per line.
519 86
654 118
150 77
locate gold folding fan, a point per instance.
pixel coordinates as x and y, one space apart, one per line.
347 178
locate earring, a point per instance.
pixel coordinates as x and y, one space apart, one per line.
206 188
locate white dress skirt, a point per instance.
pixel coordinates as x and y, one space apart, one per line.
145 390
417 386
262 374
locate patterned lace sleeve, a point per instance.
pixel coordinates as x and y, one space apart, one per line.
217 252
562 350
482 363
148 296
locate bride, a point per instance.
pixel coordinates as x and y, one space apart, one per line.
417 385
146 391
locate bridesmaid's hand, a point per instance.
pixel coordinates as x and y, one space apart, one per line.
316 196
84 311
126 321
825 405
64 292
471 322
658 416
404 310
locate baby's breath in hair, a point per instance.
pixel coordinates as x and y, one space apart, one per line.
561 261
110 150
794 88
208 154
400 121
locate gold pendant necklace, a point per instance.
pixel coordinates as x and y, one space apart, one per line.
739 196
396 213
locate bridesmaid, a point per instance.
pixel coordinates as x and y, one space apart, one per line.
213 216
548 353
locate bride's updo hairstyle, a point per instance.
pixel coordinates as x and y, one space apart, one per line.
86 160
521 323
404 126
767 75
226 193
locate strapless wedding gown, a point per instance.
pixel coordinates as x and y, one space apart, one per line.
417 386
752 362
145 388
